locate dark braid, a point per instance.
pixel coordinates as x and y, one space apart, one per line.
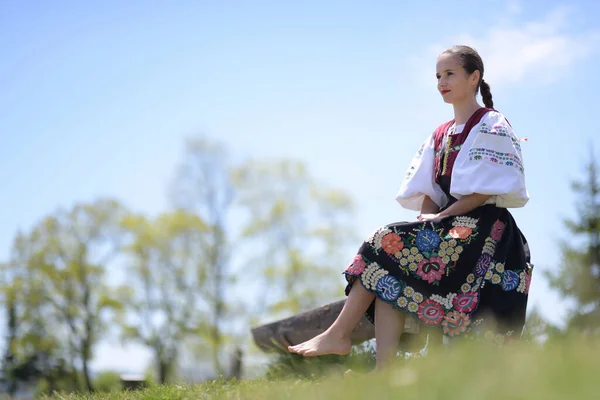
471 62
486 94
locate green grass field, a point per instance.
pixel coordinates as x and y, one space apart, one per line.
558 371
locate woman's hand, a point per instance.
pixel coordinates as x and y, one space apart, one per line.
428 217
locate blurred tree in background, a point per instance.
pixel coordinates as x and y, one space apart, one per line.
297 228
202 186
168 280
578 278
55 289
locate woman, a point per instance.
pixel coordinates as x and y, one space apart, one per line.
463 268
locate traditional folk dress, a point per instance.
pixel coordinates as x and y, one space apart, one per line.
466 275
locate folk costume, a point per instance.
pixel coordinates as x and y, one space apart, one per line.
466 275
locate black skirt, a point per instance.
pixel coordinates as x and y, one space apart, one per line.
467 276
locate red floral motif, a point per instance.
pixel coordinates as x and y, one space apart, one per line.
460 232
456 323
466 302
392 243
497 230
357 266
527 282
430 312
431 269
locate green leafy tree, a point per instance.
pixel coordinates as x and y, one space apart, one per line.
34 349
578 277
168 279
297 229
203 186
69 254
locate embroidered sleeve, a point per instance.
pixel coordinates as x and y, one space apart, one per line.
419 180
492 164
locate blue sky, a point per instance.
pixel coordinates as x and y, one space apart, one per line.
98 97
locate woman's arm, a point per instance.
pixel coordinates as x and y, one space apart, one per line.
429 206
460 207
465 204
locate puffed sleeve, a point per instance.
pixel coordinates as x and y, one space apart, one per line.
491 163
419 180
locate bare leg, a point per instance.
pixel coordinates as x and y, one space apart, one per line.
389 325
336 339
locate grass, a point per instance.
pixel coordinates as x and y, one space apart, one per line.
566 369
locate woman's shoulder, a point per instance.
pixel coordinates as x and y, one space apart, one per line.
495 117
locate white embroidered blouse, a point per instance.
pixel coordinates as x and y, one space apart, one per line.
489 162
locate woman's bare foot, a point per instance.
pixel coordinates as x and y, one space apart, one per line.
325 343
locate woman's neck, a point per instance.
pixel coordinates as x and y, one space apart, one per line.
463 111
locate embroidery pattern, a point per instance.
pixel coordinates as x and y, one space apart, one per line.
411 170
496 157
429 256
509 280
423 253
500 130
452 150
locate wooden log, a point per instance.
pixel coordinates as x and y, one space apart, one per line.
276 336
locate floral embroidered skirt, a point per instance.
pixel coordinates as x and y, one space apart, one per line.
467 275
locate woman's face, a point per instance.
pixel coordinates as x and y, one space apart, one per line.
454 83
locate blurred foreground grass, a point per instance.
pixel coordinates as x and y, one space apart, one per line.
562 369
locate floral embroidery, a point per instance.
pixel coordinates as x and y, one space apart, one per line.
499 130
444 301
465 221
525 281
424 254
376 238
427 240
460 232
466 302
415 161
452 149
518 280
489 248
497 230
483 264
372 274
455 323
430 254
510 281
389 288
499 267
431 312
357 266
392 243
431 270
496 157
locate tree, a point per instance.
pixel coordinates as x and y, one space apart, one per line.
34 350
297 229
68 255
203 186
168 278
579 275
